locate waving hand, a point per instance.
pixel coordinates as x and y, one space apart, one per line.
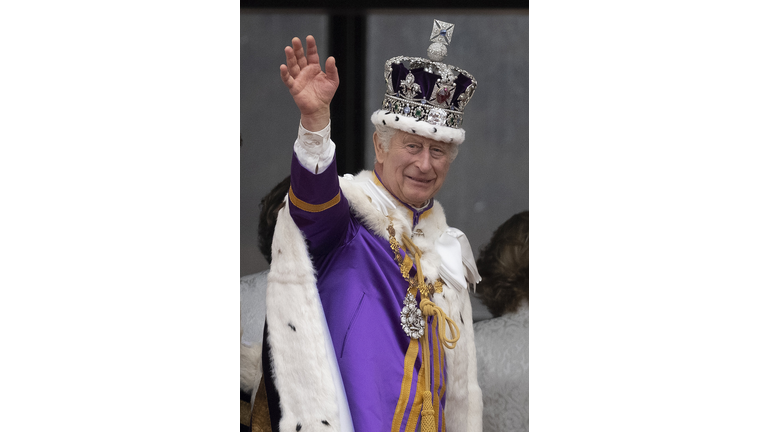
311 88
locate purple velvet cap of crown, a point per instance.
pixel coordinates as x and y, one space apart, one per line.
462 82
426 81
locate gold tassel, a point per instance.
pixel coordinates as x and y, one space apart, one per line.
428 423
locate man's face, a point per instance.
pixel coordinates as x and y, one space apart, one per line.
414 168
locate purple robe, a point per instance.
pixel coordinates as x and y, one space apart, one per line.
362 292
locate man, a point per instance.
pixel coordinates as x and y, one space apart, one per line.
341 352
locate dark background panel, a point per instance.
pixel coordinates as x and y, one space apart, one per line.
269 120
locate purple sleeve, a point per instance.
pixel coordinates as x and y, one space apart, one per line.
318 207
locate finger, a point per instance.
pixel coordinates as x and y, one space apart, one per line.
285 76
312 56
331 71
299 51
290 60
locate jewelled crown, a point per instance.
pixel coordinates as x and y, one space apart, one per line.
429 95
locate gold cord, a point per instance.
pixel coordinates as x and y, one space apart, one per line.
428 308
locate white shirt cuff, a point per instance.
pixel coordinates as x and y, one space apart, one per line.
315 150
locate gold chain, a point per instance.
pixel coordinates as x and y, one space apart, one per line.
417 283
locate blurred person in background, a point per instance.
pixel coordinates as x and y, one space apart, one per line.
502 342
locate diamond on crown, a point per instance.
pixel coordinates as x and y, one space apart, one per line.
437 117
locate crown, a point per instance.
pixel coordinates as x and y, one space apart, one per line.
427 90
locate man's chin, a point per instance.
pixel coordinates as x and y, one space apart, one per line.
417 199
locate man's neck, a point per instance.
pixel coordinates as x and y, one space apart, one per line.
415 211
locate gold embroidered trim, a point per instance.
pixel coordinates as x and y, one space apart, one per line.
259 421
405 386
418 398
313 208
437 365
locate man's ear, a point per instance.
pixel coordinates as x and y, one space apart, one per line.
377 147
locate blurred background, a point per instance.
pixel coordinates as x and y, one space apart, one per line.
488 181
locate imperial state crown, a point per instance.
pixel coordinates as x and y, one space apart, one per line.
425 96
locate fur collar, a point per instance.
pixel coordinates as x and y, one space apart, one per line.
430 227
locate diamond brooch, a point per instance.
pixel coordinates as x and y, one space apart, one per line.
411 318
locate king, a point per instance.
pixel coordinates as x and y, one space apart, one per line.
369 322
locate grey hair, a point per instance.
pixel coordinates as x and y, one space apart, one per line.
386 134
453 151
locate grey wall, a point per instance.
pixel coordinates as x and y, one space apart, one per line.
488 181
269 120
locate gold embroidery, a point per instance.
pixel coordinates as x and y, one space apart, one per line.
426 290
438 365
405 386
405 266
259 421
439 285
313 208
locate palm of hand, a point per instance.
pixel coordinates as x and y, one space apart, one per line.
312 89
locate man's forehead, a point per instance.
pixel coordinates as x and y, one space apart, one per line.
406 136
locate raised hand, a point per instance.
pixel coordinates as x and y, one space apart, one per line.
311 88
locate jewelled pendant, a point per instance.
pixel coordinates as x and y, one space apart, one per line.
411 318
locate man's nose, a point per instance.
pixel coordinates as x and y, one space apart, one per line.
423 162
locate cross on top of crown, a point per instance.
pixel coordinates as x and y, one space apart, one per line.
442 32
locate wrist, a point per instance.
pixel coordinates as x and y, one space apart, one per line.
317 121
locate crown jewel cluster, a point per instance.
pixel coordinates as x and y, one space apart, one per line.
429 90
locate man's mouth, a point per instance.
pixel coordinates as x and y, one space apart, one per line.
418 180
